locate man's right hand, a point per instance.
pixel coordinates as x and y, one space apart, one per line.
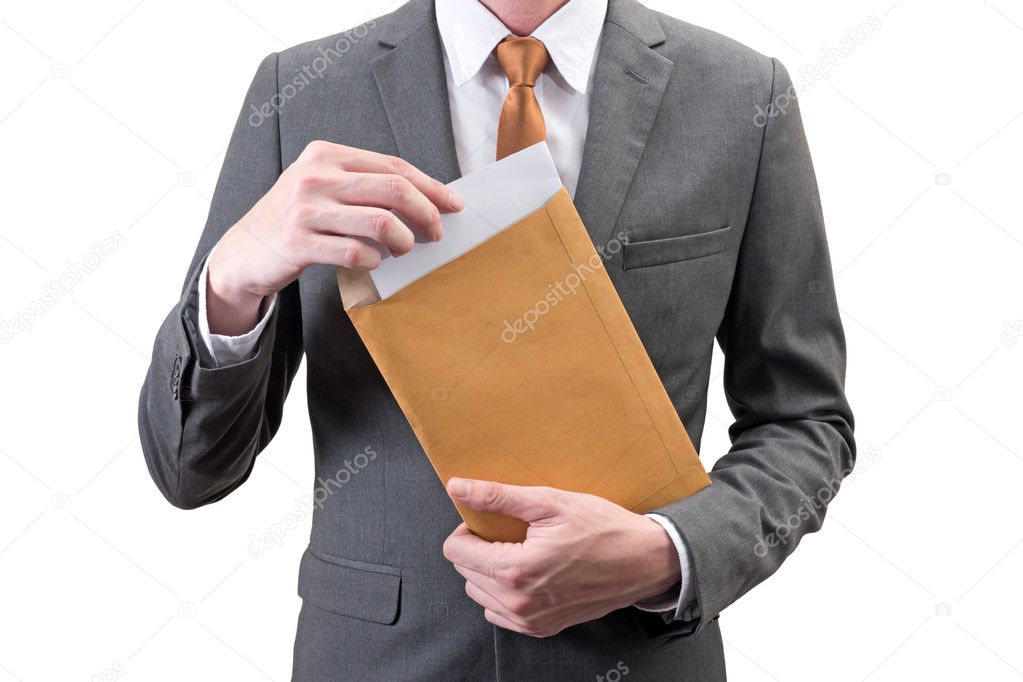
331 206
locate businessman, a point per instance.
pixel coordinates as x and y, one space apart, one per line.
684 141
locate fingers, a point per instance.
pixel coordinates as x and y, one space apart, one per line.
362 161
348 252
354 160
481 580
376 224
391 192
466 549
511 613
485 599
497 578
461 531
508 624
500 621
529 503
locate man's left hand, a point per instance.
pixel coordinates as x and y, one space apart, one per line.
582 558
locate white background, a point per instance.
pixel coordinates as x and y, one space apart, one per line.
113 120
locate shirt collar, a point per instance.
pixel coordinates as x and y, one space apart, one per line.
470 33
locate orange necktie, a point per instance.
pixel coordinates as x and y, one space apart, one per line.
521 124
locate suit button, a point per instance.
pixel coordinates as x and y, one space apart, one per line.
176 377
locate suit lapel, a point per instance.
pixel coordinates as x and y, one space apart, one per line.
413 87
629 83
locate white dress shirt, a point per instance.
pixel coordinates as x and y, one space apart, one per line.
477 88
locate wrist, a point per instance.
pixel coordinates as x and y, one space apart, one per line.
660 561
231 309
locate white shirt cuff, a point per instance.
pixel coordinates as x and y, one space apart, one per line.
229 350
680 598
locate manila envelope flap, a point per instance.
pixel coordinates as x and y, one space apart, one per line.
517 362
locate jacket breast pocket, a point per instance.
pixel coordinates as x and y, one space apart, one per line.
641 254
350 588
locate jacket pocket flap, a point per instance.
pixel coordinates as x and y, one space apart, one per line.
674 249
350 588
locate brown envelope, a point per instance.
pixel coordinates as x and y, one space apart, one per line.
517 362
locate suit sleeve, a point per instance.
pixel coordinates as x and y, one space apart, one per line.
201 427
792 435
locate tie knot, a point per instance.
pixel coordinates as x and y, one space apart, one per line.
523 60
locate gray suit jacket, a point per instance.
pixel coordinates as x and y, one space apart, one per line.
725 240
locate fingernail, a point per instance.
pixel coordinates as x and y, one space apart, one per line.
455 202
460 487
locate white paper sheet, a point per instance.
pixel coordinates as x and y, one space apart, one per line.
496 196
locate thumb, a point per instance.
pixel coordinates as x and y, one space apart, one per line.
529 503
